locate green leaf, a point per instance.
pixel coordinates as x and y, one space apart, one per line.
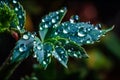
23 48
43 52
7 16
50 21
18 9
75 50
80 33
61 55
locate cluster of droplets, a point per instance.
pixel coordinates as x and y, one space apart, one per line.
60 54
20 13
82 33
23 47
52 19
43 52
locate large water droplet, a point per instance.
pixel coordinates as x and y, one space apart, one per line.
25 36
81 34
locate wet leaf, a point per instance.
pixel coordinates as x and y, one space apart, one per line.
80 33
23 48
61 55
50 21
43 52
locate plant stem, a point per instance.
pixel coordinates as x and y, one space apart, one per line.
7 69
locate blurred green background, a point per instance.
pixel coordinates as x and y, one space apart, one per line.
104 60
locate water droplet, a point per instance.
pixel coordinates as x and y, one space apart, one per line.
14 1
39 47
48 54
16 9
44 62
56 33
18 27
69 50
62 52
75 55
59 59
10 58
71 21
67 42
34 56
43 20
53 20
41 28
64 31
88 42
20 16
22 48
57 12
57 17
25 36
46 26
81 34
61 10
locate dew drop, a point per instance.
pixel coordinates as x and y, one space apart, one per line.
71 21
48 54
46 26
67 42
39 48
62 52
44 62
53 20
34 56
43 20
20 16
69 50
16 9
88 42
81 34
14 1
41 28
25 36
22 48
59 59
56 33
75 55
18 27
64 31
61 10
57 17
57 12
